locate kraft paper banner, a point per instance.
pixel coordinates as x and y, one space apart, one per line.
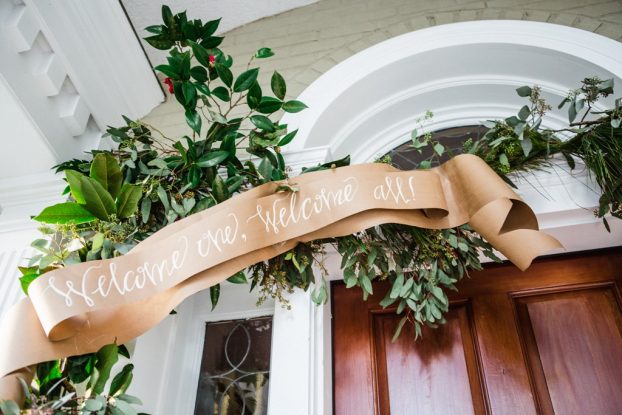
78 309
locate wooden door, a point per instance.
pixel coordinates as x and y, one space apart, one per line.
546 341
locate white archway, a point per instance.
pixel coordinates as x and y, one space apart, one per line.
463 72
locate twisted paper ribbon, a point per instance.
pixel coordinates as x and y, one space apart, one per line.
78 309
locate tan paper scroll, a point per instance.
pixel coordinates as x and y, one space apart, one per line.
80 308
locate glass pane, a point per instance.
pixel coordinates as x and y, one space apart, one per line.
235 368
405 157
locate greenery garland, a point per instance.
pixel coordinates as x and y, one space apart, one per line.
121 197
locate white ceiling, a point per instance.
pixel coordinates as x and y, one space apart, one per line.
234 13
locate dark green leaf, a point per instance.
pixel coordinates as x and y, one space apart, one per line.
219 189
189 92
245 80
193 119
168 71
293 106
212 158
212 42
199 73
278 85
209 28
200 53
253 97
122 380
62 213
155 29
287 138
214 294
238 278
127 202
225 74
106 170
221 93
97 200
264 53
159 42
263 123
269 105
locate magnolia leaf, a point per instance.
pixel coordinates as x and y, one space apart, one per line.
106 357
106 170
127 202
64 213
97 200
246 80
73 178
278 85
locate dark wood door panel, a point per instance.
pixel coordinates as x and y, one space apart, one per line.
546 341
438 376
574 349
